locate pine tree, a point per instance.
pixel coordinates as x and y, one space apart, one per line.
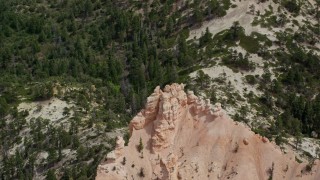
140 146
183 52
4 107
235 28
81 153
298 140
206 38
52 157
169 26
51 175
202 79
88 8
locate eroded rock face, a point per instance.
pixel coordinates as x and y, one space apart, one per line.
118 152
149 113
172 103
119 146
184 138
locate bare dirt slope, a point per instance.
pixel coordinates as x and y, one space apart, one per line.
183 137
240 13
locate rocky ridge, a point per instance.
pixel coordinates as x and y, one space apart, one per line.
180 136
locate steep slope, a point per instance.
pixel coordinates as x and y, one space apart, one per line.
252 75
179 136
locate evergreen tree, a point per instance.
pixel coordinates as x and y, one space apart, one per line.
206 38
183 56
140 146
197 16
52 157
81 153
169 26
4 107
202 79
88 8
235 28
51 175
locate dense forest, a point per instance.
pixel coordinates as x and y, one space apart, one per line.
122 48
115 53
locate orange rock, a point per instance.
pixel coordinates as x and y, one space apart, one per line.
173 148
265 140
245 141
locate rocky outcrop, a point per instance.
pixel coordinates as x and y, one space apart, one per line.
184 137
118 152
149 113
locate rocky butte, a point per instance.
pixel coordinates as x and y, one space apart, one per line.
180 136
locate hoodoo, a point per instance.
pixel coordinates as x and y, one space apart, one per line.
180 136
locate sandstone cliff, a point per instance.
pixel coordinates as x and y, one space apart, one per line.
180 136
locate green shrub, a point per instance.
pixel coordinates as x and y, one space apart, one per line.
42 91
292 6
251 79
249 43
